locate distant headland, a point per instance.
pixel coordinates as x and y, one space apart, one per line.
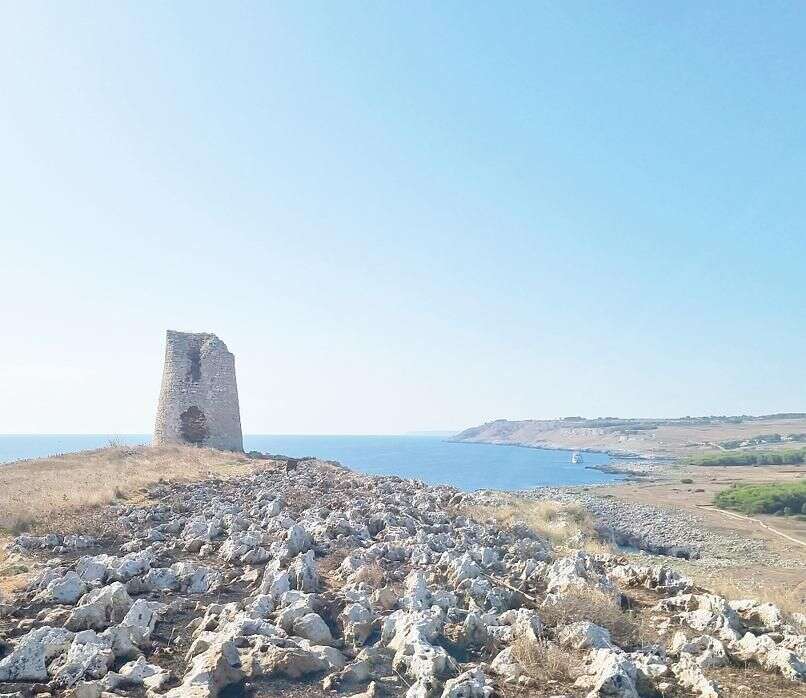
680 438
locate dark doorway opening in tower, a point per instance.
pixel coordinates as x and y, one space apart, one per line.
194 370
194 425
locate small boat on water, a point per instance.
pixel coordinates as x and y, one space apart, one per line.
577 458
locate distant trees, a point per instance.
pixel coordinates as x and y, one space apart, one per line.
794 456
783 499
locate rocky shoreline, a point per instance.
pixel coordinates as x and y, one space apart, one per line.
630 465
547 446
632 469
307 579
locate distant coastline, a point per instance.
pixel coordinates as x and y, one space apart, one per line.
426 458
651 441
625 465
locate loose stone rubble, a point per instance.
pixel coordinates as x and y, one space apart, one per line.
364 586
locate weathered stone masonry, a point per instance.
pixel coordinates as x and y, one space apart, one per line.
199 397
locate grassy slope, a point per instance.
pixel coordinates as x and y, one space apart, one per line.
32 491
64 492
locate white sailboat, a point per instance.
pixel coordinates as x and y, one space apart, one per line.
576 458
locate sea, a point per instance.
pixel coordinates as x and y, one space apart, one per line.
432 459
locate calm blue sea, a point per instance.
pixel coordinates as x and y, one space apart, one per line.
427 458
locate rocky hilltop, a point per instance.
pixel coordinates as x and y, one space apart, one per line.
654 438
306 579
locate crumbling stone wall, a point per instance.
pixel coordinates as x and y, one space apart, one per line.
199 397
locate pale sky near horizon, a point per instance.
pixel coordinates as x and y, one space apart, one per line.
403 216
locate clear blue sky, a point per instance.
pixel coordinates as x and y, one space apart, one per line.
403 216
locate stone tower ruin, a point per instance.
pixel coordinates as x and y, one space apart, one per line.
199 397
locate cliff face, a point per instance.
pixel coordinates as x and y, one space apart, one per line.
661 438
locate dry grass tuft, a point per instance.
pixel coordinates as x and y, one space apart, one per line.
332 561
33 491
298 498
578 603
544 661
13 575
21 524
562 523
597 546
789 600
371 574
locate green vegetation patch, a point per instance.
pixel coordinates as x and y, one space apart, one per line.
793 456
785 499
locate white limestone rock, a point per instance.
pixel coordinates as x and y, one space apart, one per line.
32 654
311 627
100 608
463 568
210 672
584 635
525 623
760 617
196 579
470 684
137 673
657 577
88 657
67 589
161 579
610 672
489 557
275 582
507 666
141 619
260 605
703 612
93 569
705 650
357 622
765 652
241 545
131 565
474 630
298 540
291 661
295 605
578 571
44 577
689 676
302 573
410 635
416 596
